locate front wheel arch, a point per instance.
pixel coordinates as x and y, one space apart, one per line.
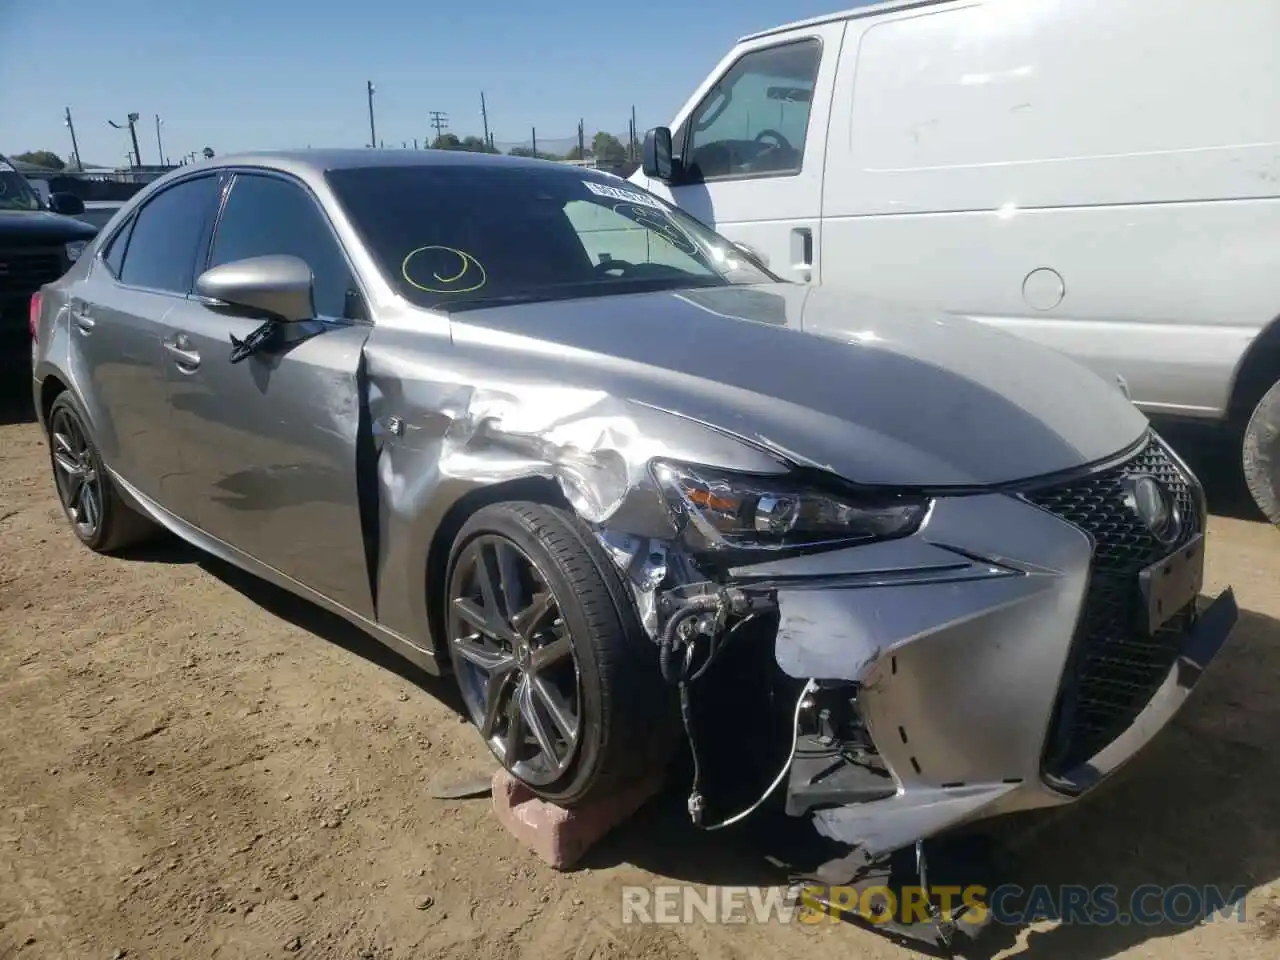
529 489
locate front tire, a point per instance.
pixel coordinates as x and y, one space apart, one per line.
1262 454
98 516
553 664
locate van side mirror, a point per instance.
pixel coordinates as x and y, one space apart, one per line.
656 156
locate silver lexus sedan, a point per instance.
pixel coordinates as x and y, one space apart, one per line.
534 427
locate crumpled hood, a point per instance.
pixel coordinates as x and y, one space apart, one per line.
19 228
875 392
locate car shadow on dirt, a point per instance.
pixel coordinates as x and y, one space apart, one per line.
1197 808
329 627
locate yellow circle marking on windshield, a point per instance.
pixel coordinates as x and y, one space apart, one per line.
468 264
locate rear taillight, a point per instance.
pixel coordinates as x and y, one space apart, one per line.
33 316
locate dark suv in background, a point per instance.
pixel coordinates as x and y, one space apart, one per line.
38 243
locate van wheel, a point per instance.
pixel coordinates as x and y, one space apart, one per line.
1262 454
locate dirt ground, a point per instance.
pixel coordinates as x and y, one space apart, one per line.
194 764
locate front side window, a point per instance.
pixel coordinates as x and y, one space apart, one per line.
161 251
267 215
754 121
452 235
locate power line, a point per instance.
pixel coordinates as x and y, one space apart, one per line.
439 122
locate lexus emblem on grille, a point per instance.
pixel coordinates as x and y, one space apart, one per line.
1155 506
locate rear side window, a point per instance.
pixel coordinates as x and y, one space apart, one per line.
113 257
161 249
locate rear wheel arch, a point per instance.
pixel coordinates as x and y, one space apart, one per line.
50 387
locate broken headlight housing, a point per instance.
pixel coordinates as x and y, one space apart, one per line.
720 511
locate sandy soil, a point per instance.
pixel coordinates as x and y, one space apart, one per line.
194 764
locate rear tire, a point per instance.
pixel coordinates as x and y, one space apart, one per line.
1262 454
98 515
589 644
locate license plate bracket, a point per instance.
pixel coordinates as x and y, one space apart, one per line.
1169 585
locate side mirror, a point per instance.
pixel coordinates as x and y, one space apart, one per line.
656 156
67 204
278 286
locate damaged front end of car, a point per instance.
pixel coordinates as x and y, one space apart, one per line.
948 658
917 660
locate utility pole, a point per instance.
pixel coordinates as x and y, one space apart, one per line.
75 147
415 143
159 142
631 147
484 117
373 136
440 123
132 125
534 131
582 144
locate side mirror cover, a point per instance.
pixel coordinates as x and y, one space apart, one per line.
656 155
279 287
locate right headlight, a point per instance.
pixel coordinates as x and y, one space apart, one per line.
719 511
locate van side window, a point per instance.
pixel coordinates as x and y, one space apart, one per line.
753 122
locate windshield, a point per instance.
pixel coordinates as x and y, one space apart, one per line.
452 236
15 192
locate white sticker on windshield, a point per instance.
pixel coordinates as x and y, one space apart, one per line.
6 168
616 193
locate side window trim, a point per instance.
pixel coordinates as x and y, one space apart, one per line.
133 219
686 135
233 174
120 235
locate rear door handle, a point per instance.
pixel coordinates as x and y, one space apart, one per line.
183 355
80 316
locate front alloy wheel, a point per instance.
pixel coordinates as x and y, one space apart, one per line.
553 663
516 664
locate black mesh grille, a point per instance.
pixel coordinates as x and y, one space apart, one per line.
1114 668
22 273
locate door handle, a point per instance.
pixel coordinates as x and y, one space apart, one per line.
183 355
81 318
802 252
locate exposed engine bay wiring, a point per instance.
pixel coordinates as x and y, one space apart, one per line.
704 616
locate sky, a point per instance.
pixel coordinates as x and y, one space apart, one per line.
275 74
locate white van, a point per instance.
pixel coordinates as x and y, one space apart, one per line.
1099 175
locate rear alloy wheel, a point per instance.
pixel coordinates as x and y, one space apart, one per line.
554 668
101 520
1262 454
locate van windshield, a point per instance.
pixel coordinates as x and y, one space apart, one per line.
452 236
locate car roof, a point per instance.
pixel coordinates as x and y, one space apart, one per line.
317 162
861 9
